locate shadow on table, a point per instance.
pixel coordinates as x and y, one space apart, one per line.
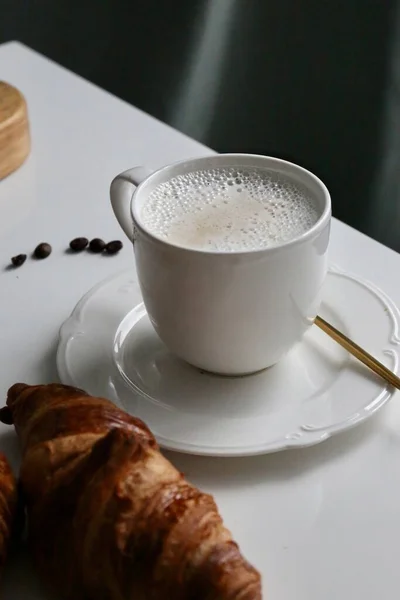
48 366
11 447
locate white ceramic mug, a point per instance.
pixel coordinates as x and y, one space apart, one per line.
229 313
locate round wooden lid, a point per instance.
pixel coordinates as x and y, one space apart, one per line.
14 129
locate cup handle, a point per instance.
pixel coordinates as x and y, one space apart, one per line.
121 192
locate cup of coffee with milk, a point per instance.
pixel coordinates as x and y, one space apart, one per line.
231 255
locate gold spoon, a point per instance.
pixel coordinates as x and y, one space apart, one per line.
358 352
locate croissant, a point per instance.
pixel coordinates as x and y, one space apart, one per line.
8 504
109 517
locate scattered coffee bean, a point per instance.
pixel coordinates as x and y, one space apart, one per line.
114 247
42 251
18 260
97 245
78 244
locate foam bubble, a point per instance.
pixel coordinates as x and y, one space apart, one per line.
221 210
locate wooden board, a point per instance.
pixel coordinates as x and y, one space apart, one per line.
14 129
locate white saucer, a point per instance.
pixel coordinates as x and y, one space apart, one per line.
110 349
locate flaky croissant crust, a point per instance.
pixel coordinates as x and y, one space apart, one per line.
8 504
109 515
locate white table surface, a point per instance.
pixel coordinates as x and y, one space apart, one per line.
318 523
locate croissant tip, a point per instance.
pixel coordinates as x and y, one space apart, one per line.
16 389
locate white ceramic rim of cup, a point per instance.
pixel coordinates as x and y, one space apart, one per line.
234 160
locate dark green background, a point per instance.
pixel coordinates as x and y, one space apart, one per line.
313 81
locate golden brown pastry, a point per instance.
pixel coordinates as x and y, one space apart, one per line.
109 517
8 504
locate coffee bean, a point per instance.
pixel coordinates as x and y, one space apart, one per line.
42 251
114 247
18 260
97 245
78 244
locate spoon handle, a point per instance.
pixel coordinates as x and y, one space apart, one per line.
358 352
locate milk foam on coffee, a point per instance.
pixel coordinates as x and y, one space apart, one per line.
229 210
